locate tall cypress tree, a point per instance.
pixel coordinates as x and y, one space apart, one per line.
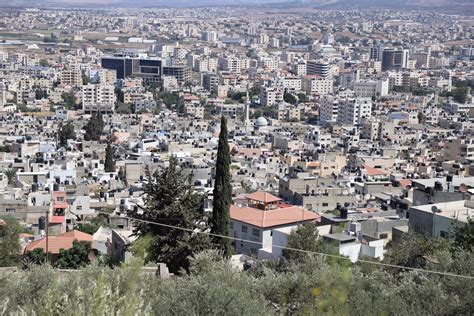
109 164
222 192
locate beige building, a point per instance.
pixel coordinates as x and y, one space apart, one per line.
98 98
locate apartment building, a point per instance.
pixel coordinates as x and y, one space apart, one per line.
98 98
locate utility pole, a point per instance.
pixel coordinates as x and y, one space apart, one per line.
47 235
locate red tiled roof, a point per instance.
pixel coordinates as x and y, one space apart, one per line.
77 234
375 171
405 182
263 197
276 217
57 219
56 243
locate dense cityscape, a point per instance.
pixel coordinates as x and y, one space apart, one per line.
236 160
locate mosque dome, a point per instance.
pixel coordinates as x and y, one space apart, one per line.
261 121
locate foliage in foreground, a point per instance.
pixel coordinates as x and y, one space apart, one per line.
310 285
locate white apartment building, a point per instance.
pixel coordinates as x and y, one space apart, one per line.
98 98
317 85
354 111
205 65
292 83
209 36
268 63
270 96
299 69
231 64
371 88
328 110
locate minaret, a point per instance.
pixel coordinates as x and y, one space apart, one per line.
247 109
450 82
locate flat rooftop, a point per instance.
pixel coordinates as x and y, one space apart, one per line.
458 210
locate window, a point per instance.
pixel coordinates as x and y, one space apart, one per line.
444 234
256 232
419 228
60 199
10 210
231 225
325 204
244 229
383 236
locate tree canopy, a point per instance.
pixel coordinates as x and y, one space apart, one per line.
66 131
94 128
170 199
75 257
9 241
109 165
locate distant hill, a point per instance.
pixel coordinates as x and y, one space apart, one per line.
464 7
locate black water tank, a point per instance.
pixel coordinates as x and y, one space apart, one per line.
34 187
343 212
449 178
55 187
42 223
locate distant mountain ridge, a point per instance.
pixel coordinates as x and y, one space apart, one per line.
465 7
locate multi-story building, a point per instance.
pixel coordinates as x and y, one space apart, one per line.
292 83
328 110
394 59
181 73
371 88
210 82
318 68
299 68
71 76
231 64
150 70
354 111
317 85
270 96
98 98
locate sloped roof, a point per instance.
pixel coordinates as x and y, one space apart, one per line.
375 171
271 218
56 243
263 197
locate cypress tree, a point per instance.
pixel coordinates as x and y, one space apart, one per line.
222 192
109 164
66 132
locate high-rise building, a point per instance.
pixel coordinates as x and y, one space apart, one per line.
394 59
376 52
318 68
150 70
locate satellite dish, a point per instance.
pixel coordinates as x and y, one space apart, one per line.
434 209
92 255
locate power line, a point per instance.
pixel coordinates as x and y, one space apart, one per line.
300 250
